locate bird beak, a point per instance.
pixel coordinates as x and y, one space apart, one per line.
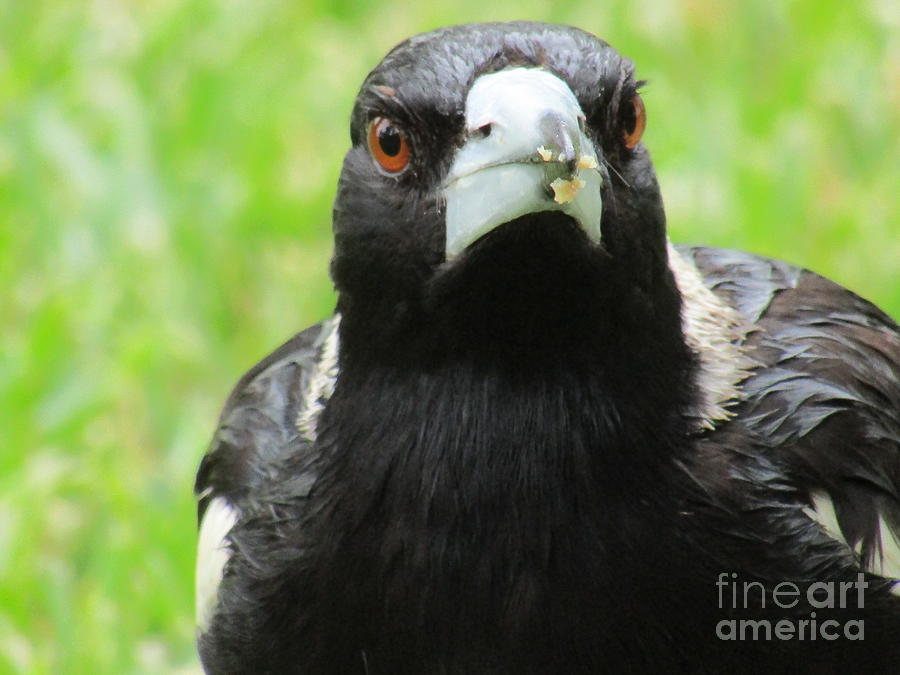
525 151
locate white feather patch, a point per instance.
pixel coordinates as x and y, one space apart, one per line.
321 380
823 513
889 563
213 553
712 329
887 557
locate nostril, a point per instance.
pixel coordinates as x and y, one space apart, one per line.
484 130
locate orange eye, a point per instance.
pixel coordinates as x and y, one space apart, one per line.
635 121
388 145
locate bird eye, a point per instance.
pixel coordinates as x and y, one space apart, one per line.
388 145
635 121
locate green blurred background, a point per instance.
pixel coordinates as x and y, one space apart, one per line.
166 175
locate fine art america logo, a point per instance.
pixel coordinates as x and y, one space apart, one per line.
824 595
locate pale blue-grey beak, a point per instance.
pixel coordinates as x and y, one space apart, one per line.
525 152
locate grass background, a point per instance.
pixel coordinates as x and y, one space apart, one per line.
166 175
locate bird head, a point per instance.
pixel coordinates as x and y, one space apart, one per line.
497 185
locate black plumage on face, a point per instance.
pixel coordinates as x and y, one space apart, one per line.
390 226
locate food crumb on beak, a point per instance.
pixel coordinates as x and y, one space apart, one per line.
565 190
587 162
545 154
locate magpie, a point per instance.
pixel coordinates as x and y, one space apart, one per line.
535 436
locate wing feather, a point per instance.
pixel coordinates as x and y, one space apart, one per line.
257 431
826 397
